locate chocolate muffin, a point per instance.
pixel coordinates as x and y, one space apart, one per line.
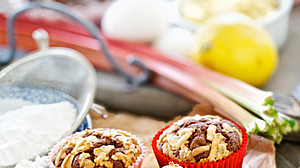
200 139
101 148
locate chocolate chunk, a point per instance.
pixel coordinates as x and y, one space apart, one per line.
111 152
198 132
99 136
185 124
189 122
59 163
203 119
68 150
90 151
76 161
118 164
176 153
219 128
218 125
202 156
108 141
116 150
86 135
97 144
200 126
198 141
233 139
176 129
213 122
119 144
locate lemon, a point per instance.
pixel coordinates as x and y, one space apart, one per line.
236 46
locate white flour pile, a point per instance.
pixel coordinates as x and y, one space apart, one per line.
39 162
32 130
8 104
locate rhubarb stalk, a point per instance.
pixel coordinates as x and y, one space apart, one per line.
258 101
193 88
255 100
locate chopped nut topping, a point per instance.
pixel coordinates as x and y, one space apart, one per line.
200 139
105 148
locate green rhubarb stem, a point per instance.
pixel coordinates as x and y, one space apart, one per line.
292 123
265 110
260 106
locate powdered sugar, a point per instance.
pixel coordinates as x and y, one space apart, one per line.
32 130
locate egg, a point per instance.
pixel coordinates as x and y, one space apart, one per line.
135 20
175 41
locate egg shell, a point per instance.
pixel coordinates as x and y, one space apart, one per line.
175 41
135 20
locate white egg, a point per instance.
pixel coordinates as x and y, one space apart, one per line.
175 41
135 20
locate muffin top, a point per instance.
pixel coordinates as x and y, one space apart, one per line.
172 165
200 139
105 148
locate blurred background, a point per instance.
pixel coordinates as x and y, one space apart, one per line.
230 43
260 48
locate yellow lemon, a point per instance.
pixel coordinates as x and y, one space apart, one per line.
236 47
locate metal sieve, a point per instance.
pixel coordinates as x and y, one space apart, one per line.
56 74
49 75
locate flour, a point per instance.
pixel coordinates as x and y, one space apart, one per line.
39 162
9 104
32 130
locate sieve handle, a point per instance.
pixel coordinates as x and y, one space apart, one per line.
131 80
100 110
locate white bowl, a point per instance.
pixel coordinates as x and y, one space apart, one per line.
276 23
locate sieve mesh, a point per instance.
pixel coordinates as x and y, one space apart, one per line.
55 73
62 73
50 75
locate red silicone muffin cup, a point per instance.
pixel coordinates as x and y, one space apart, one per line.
234 160
137 164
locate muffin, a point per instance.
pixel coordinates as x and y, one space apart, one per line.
201 140
105 148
